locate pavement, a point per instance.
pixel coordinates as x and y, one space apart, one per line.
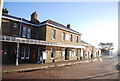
34 66
86 70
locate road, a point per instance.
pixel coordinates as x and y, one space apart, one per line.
94 70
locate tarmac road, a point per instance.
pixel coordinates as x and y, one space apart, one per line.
104 69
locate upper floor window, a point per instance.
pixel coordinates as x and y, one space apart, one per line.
77 39
53 34
24 32
15 25
63 36
29 33
71 37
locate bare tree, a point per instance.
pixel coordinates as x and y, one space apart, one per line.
106 47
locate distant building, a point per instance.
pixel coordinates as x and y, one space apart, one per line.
90 51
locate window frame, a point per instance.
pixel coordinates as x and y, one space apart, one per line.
24 31
71 38
63 36
53 34
29 32
77 39
27 53
24 52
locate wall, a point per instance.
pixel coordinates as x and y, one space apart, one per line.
59 36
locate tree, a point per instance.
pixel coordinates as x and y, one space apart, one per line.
106 47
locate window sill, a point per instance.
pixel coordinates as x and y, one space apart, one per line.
51 58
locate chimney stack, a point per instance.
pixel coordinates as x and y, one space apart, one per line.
5 11
34 17
68 25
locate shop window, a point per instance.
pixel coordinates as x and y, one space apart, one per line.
24 32
29 33
53 34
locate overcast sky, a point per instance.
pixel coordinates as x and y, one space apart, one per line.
97 21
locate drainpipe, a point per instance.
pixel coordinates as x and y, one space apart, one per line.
17 55
20 31
18 46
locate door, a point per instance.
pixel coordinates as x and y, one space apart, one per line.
66 54
25 54
40 56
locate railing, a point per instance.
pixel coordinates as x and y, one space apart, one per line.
33 41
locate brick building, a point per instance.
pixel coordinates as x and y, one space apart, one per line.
25 41
90 51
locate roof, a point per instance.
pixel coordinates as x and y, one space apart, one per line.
60 26
47 22
18 19
85 43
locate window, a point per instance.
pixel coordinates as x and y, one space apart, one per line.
23 53
15 25
76 52
27 53
63 36
5 50
77 39
71 37
53 34
24 32
29 33
52 52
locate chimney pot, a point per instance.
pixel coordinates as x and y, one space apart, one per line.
5 11
34 17
68 25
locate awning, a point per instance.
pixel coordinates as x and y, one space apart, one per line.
37 42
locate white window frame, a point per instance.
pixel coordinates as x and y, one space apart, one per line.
29 33
24 32
53 34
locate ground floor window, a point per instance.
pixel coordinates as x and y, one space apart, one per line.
25 53
76 52
5 50
63 52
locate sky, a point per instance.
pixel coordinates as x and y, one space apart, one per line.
96 21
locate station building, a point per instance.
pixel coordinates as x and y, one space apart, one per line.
32 41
